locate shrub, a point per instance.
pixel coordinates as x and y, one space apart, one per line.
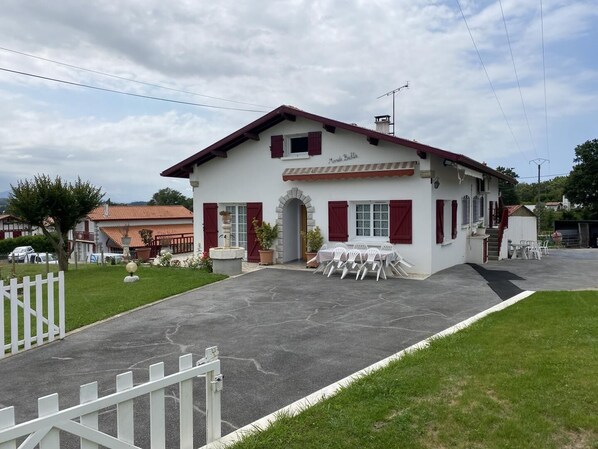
40 243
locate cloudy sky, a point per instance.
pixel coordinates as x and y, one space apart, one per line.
332 58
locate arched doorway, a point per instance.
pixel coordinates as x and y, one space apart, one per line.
295 217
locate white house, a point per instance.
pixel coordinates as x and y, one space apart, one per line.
523 225
301 170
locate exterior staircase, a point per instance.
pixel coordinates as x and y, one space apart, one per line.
493 248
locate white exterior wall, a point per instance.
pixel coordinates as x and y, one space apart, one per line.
249 174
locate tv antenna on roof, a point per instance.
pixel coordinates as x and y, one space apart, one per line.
393 93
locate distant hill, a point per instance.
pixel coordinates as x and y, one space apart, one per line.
4 194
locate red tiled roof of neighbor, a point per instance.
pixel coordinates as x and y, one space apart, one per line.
115 233
139 213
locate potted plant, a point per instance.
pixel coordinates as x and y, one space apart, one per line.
147 235
481 229
313 242
265 234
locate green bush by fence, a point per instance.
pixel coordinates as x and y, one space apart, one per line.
39 243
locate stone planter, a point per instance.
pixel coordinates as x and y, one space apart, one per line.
480 231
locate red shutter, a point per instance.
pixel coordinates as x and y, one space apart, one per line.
314 143
254 210
439 221
400 221
2 235
276 147
454 220
338 225
210 226
16 234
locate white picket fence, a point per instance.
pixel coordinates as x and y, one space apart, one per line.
45 430
19 297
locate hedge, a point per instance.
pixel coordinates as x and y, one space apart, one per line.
39 243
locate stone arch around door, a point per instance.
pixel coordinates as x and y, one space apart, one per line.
294 193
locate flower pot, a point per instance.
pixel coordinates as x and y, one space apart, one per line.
143 253
480 231
309 256
266 256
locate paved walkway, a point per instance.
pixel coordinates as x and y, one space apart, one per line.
282 334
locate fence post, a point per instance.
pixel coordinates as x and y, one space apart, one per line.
213 388
124 410
48 405
61 310
39 310
50 287
88 393
157 410
7 419
27 312
14 317
2 290
186 404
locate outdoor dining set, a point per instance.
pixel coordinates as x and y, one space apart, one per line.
529 249
360 260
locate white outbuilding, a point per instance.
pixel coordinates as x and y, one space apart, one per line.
300 170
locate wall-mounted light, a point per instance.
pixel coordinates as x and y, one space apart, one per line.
448 163
435 182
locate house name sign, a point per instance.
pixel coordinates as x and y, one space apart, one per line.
343 158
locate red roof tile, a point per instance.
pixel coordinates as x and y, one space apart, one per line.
139 213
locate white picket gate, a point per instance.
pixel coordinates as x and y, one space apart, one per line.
45 430
18 296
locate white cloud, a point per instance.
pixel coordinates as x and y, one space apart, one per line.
329 57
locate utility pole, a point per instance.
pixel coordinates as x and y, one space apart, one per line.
393 93
538 161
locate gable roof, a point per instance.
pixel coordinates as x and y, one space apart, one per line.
139 213
252 131
519 210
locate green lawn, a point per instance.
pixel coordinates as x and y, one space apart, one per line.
526 377
94 293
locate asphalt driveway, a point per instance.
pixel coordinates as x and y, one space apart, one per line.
282 334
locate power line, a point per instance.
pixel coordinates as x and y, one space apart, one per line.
127 93
544 71
517 78
490 81
129 79
543 176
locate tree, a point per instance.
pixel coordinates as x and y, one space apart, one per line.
582 185
507 190
170 197
48 203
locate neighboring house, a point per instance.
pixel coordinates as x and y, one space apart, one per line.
554 205
300 170
12 227
106 225
523 225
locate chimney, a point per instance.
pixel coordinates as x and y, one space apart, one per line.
106 209
383 124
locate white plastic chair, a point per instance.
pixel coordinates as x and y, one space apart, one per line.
360 245
340 245
353 262
337 261
533 250
395 265
544 247
321 266
373 263
387 247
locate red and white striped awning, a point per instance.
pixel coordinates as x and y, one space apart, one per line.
332 172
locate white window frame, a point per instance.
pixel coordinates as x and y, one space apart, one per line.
465 210
287 146
353 221
236 224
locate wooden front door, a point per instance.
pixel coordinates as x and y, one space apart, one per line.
303 231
